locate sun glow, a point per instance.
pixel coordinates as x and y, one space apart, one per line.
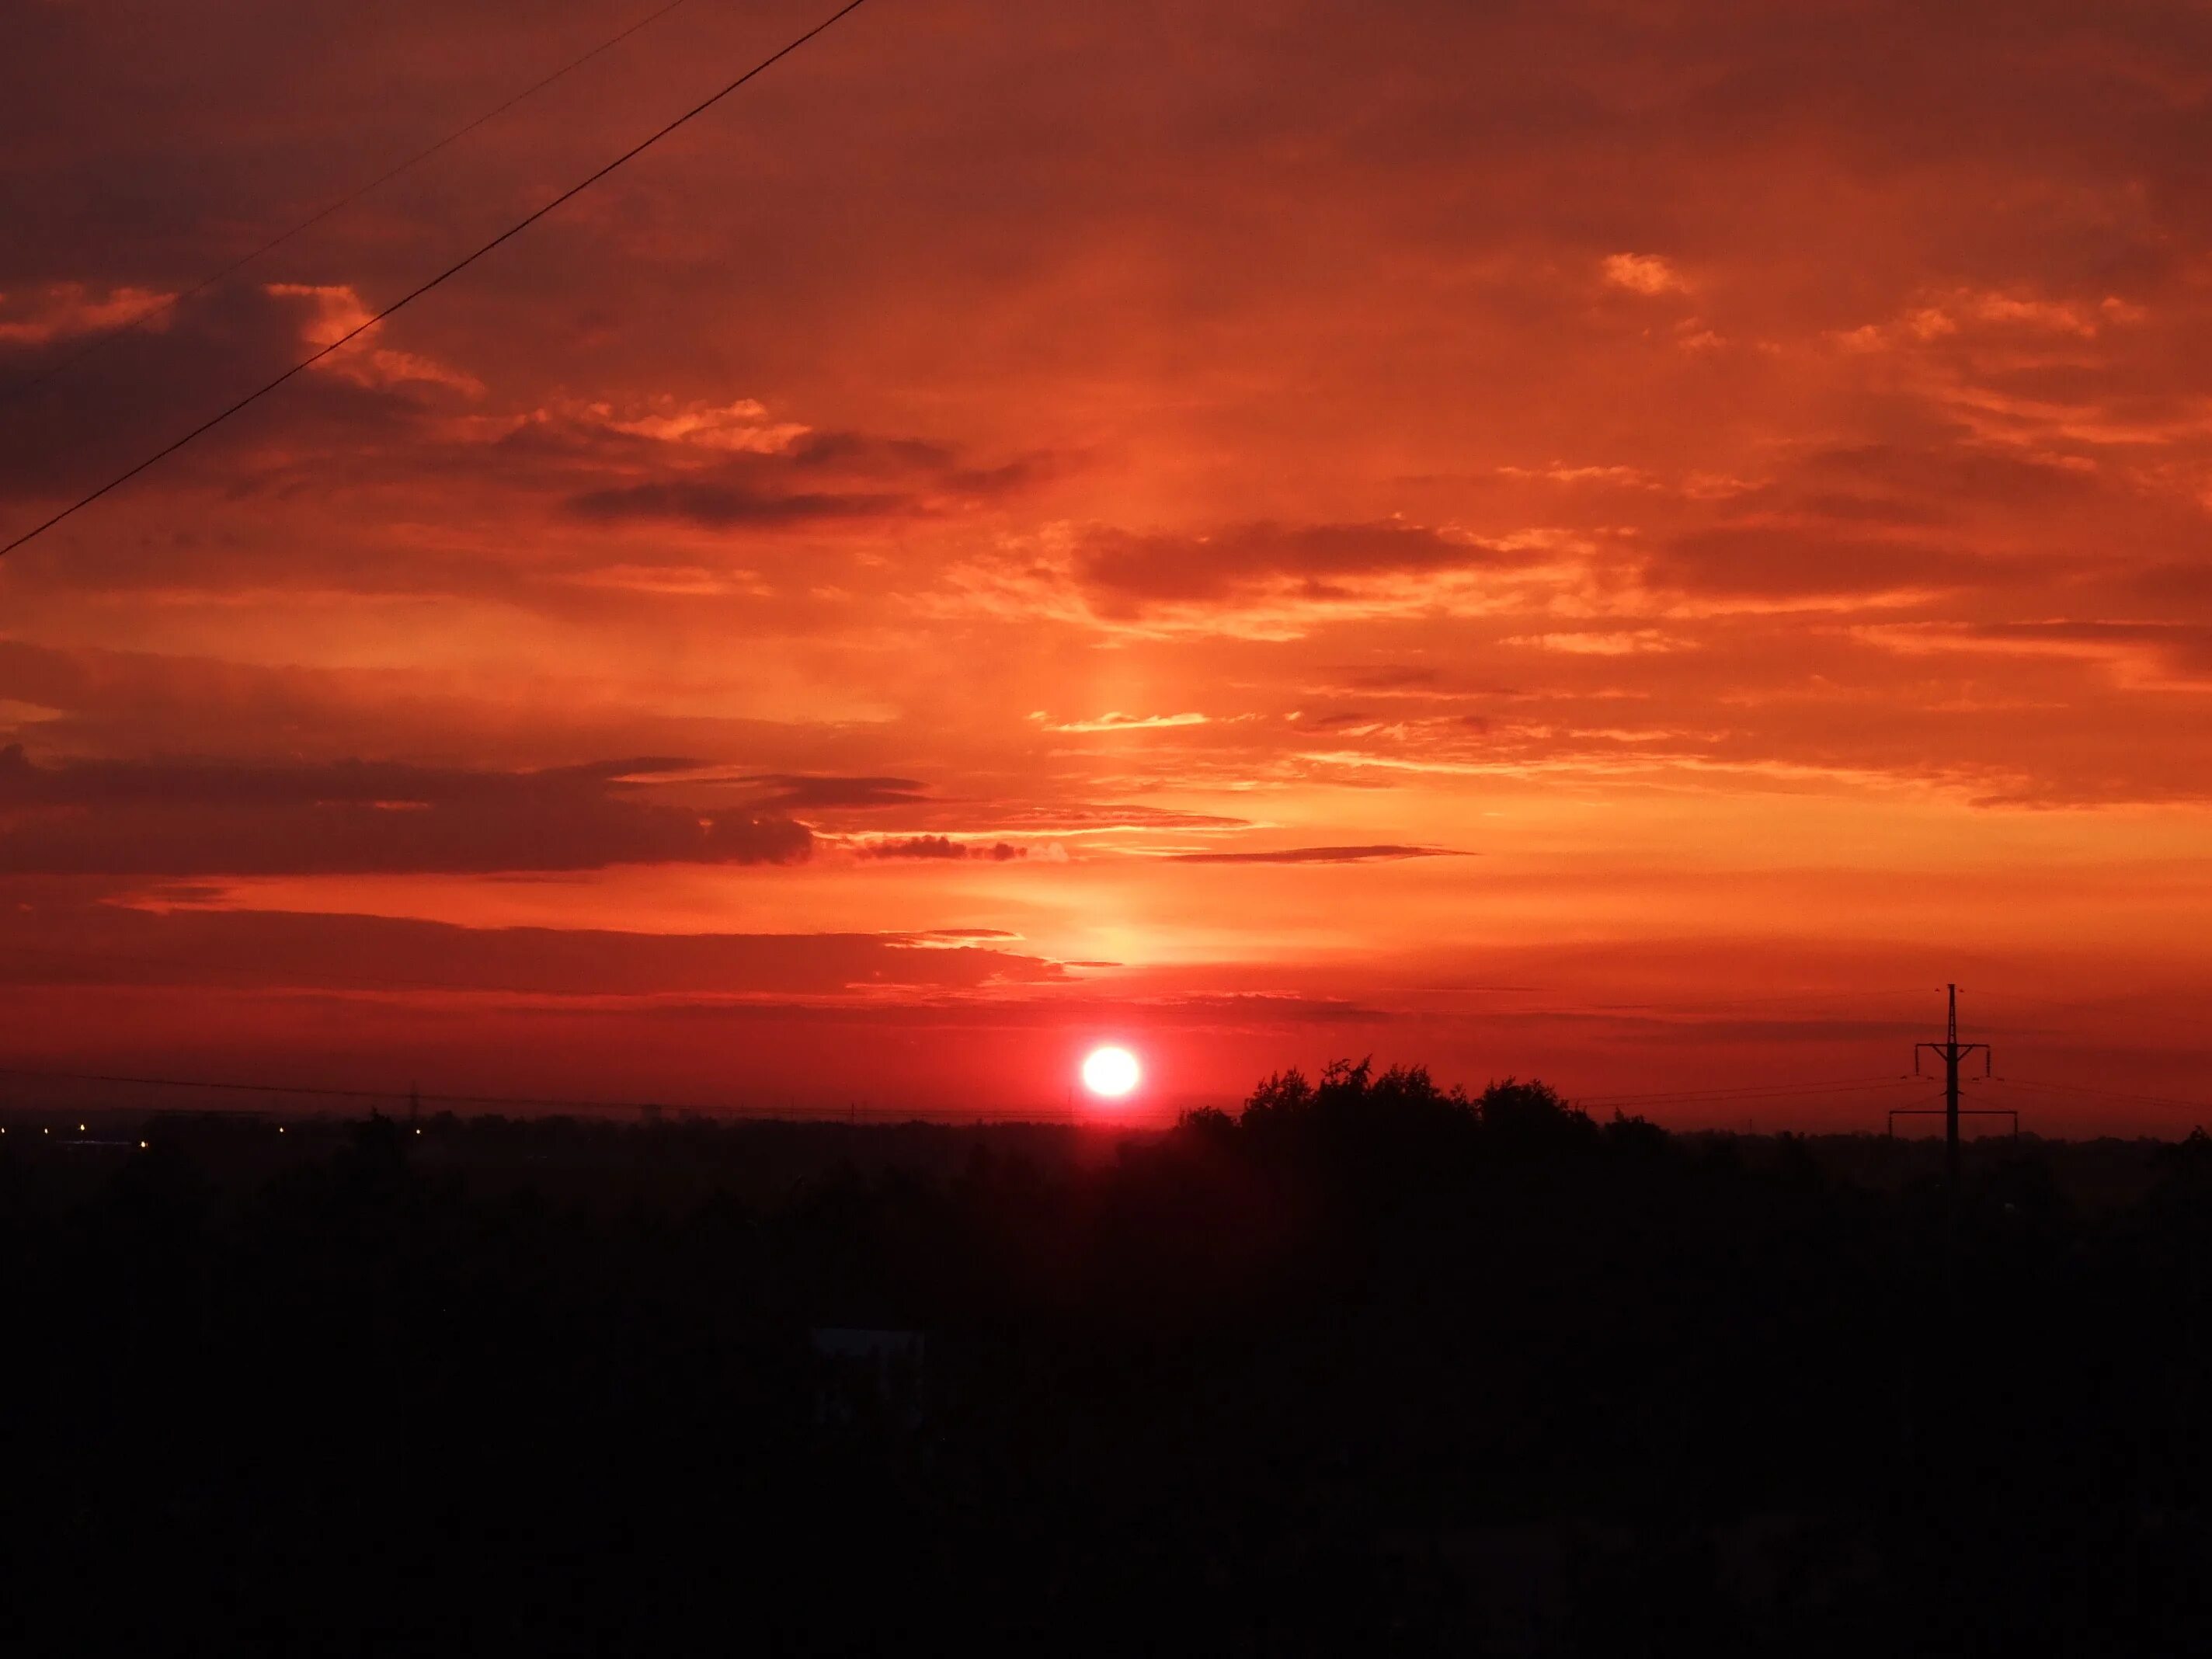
1110 1071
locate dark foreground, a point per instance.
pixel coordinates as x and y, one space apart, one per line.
1374 1370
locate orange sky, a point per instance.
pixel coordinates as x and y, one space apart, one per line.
1626 541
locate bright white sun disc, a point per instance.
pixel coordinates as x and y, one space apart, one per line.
1110 1071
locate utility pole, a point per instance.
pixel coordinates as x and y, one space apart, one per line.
1953 1051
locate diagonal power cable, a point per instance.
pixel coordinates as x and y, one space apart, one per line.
447 275
139 319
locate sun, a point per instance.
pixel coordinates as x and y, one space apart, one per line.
1110 1071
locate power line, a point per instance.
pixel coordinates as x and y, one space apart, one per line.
2104 1000
1749 1090
1751 1099
1745 1088
100 338
2103 1094
450 271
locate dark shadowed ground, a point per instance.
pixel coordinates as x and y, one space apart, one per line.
1375 1367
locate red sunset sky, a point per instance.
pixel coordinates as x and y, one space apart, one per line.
1625 541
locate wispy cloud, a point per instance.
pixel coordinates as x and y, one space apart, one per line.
1114 720
1380 854
1642 273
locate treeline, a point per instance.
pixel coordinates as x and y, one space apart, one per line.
1371 1364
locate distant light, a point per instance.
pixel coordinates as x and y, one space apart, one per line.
418 1132
280 1129
1110 1071
142 1146
80 1128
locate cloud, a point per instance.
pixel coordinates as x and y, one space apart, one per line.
1124 571
818 475
1936 475
1781 562
136 392
1318 855
200 818
1387 677
940 847
1956 319
125 704
1079 817
796 791
1606 643
1114 720
336 312
2146 652
741 424
351 782
67 311
64 943
1642 273
725 506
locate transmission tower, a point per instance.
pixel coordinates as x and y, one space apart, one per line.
1952 1051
